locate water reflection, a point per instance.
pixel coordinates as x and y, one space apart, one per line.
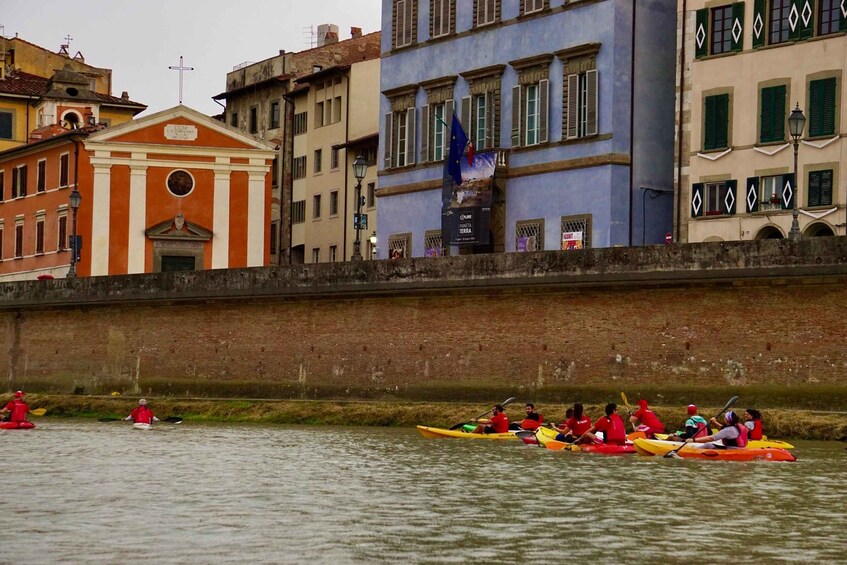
104 493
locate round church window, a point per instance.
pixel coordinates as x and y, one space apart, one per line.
180 183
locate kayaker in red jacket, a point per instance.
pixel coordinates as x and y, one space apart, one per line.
142 414
753 421
733 434
533 419
576 425
17 408
650 423
497 424
612 426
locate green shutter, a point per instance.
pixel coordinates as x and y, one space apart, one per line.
752 195
813 189
822 107
789 191
794 30
701 34
737 24
772 122
760 22
842 18
807 18
728 204
709 124
722 121
697 203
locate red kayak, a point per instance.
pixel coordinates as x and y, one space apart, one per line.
16 425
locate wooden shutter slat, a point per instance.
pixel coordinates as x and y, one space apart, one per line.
591 102
543 109
814 188
573 106
516 116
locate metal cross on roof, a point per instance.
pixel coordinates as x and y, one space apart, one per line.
180 68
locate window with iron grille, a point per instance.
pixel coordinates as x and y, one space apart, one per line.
299 171
62 242
63 170
298 212
434 244
400 245
529 235
573 226
300 123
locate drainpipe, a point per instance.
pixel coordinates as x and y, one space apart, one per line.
632 124
678 195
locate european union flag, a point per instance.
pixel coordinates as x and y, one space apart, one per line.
458 142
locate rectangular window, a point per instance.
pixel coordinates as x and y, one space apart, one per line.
715 194
316 207
830 14
532 114
371 199
434 244
772 114
19 181
333 203
6 125
820 188
300 123
254 120
41 174
63 170
274 236
400 120
62 242
780 26
333 159
333 253
581 104
530 6
439 133
298 212
316 255
716 122
480 115
336 110
318 160
400 141
770 193
722 29
529 235
23 180
486 11
405 26
440 17
299 168
399 245
576 232
822 107
19 240
319 114
233 119
275 172
39 236
274 115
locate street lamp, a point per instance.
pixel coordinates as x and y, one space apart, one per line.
360 169
796 123
74 200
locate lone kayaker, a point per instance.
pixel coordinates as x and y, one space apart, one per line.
733 434
17 408
612 426
576 425
695 426
532 420
497 424
649 422
142 414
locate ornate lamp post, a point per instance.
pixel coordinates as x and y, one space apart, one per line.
360 169
796 124
74 200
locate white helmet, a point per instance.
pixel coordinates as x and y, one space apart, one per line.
142 402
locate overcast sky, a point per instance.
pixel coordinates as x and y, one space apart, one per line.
140 39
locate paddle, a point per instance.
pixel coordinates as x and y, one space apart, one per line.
504 404
726 407
628 411
38 412
170 420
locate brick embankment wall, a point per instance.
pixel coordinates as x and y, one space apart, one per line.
709 315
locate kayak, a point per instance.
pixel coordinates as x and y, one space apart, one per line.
753 443
142 426
16 425
546 438
427 431
660 448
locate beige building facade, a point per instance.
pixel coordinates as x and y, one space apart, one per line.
745 67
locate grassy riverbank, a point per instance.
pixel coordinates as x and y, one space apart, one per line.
780 422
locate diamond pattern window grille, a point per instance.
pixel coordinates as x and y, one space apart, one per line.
401 242
533 231
434 243
578 223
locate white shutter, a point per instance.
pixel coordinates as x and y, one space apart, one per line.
410 136
573 107
389 130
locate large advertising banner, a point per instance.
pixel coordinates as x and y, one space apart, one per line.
466 207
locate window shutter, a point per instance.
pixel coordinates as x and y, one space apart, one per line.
766 118
737 29
826 188
822 107
709 123
697 203
728 204
814 188
779 115
722 121
475 13
842 17
591 102
489 120
760 20
516 116
788 191
543 109
573 106
795 24
752 194
807 19
389 130
828 106
425 133
466 117
410 136
448 119
701 34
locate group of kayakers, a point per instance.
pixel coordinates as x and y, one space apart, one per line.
577 427
17 410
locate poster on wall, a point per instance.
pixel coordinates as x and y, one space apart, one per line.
571 240
526 244
466 206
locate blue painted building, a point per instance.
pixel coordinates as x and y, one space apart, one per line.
576 97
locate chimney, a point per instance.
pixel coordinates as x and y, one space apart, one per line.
125 96
331 38
327 34
355 32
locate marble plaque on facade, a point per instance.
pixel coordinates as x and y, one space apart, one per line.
180 132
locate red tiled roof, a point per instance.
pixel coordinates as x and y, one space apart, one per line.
19 83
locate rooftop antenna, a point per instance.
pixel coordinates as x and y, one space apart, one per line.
180 68
309 32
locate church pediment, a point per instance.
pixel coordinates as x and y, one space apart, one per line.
178 228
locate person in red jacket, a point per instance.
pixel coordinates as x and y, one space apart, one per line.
612 426
17 408
533 419
650 423
497 424
574 426
142 414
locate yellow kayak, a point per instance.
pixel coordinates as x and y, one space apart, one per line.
753 443
426 431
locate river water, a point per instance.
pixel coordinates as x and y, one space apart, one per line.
86 492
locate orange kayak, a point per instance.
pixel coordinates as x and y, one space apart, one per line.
660 448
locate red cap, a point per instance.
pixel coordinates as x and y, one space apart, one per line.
692 409
19 393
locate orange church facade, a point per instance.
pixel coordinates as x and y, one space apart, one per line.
176 190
